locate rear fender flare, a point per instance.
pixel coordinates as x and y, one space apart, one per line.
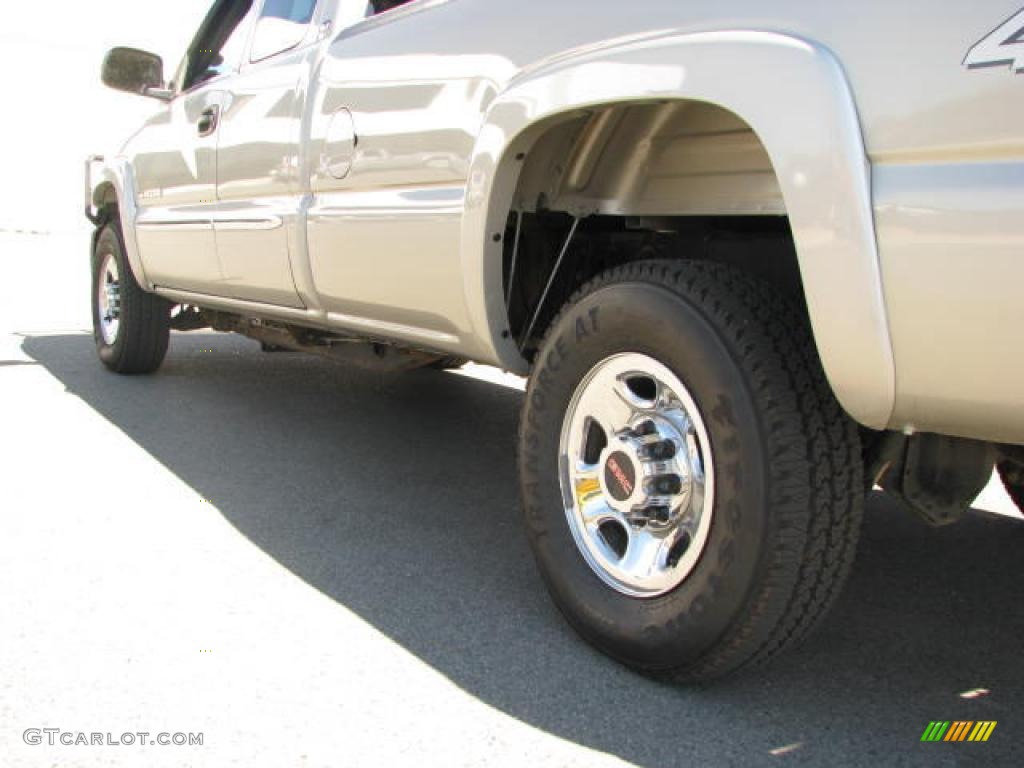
794 95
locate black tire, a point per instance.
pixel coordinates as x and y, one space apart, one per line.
789 490
448 363
1012 475
143 333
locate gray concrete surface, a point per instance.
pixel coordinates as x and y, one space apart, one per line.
318 567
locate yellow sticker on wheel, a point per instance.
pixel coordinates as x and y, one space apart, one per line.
587 489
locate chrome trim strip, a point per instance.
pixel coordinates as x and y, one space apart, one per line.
435 200
176 226
225 224
248 225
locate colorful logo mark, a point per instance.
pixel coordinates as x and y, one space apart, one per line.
958 730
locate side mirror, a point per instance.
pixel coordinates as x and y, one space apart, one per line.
134 71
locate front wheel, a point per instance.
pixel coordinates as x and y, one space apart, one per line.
130 326
692 490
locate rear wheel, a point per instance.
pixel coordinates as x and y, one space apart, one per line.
692 490
130 326
1012 475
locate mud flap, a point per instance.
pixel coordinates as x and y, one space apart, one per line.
938 476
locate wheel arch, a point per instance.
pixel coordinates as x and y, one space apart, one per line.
793 96
112 188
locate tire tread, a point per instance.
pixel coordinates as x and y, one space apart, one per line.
145 317
816 493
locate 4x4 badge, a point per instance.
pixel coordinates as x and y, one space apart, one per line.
1002 47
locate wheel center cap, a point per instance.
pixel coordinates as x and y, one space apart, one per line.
619 476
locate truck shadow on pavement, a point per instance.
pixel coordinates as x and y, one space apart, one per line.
397 498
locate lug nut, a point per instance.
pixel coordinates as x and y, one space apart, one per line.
646 428
661 514
660 451
666 485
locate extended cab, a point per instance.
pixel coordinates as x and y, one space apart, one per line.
755 259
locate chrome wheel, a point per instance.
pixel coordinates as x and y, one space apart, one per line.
108 288
636 475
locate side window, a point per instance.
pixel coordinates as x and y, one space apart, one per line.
219 46
282 25
380 6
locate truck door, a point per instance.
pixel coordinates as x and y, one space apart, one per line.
258 187
392 131
175 159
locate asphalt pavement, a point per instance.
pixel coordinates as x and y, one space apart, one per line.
314 566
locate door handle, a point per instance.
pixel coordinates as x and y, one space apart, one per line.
208 120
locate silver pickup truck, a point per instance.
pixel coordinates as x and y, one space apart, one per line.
755 258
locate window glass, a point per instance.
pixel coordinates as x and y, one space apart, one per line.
220 43
282 25
234 48
380 6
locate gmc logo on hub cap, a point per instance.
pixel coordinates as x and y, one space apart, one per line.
619 476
